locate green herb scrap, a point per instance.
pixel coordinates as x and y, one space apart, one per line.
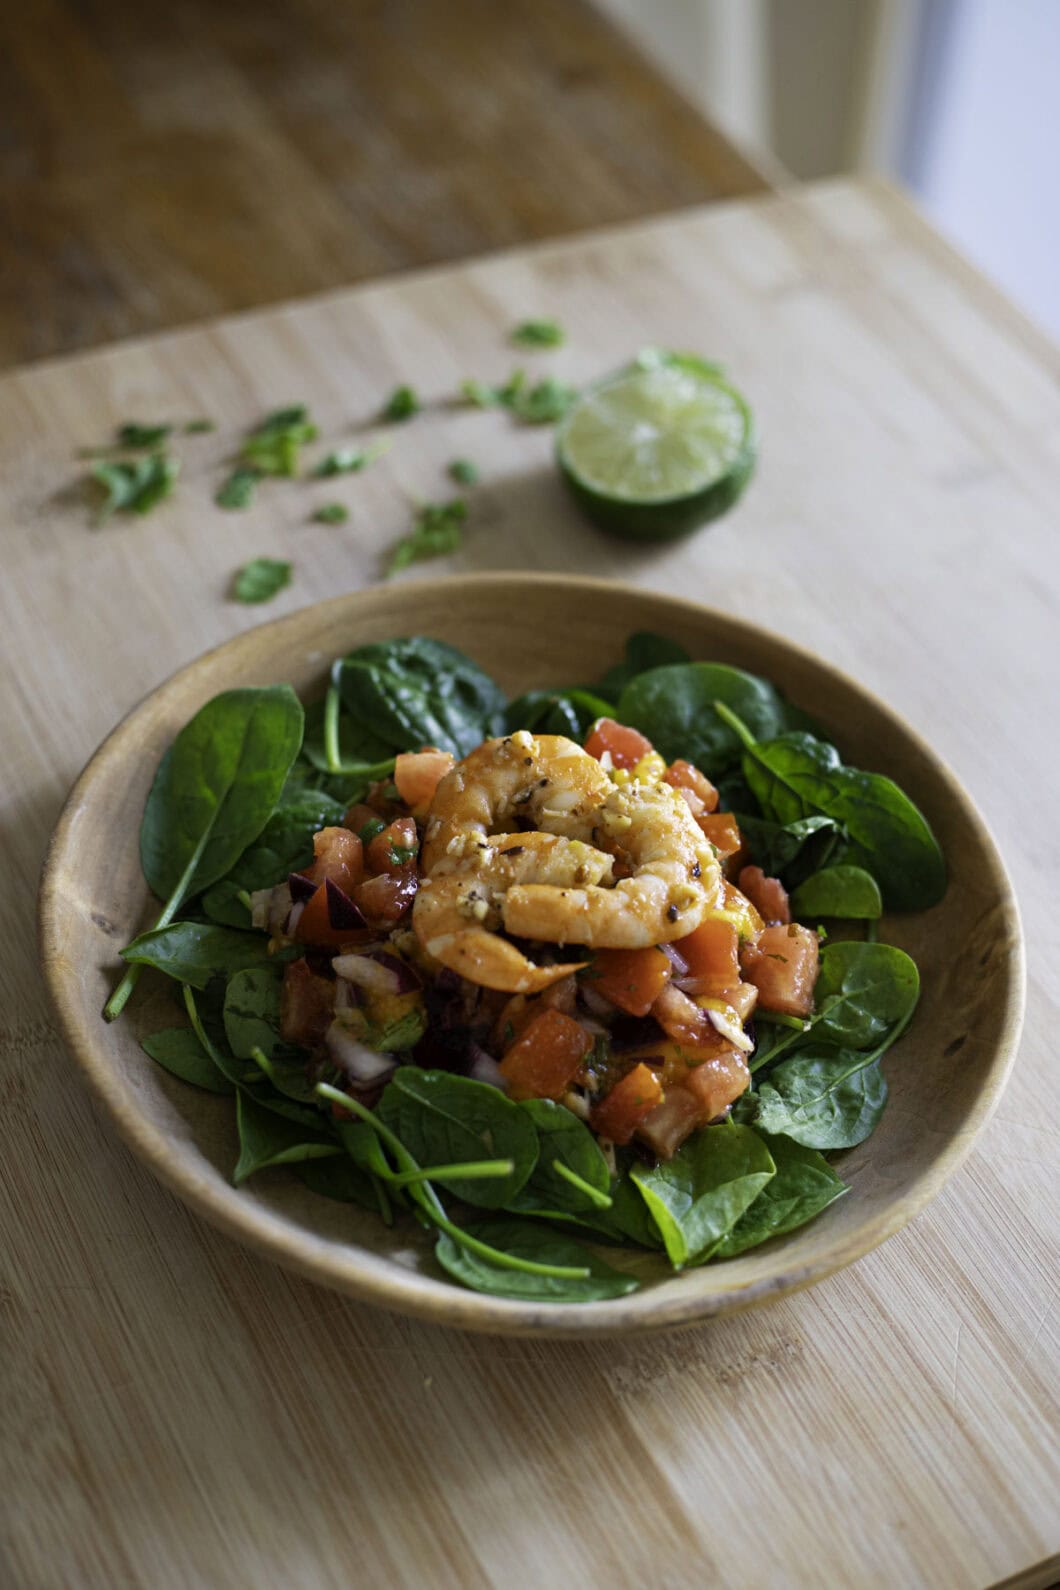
133 435
540 404
260 580
538 334
330 513
199 427
274 447
463 471
137 485
437 530
238 490
401 405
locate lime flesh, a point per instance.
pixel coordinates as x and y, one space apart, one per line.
654 453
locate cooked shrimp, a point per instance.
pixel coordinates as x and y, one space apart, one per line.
460 908
674 878
544 783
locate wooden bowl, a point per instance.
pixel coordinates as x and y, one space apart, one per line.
946 1075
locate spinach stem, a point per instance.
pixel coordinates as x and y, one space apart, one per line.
736 724
476 1170
332 754
120 997
602 1200
431 1204
871 930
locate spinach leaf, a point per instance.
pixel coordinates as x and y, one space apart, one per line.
829 1100
524 1240
804 1184
252 1014
568 1141
267 1139
195 952
356 743
417 692
444 1119
674 707
178 1051
792 851
838 891
284 845
250 1079
569 712
339 1179
698 1196
864 995
796 776
216 787
629 1218
644 650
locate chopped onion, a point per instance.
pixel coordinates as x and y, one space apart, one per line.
484 1068
367 973
676 959
405 974
596 1028
730 1029
294 916
594 1001
362 1064
279 909
577 1104
260 901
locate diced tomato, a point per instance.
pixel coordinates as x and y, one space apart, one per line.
394 851
743 999
783 967
671 1121
307 1003
621 1111
338 855
359 815
723 831
314 924
748 922
767 895
417 775
718 1082
712 955
545 1059
686 776
630 979
680 1017
386 897
626 745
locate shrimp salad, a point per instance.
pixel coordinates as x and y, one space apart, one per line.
572 980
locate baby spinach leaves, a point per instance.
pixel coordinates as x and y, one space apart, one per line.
267 1139
416 692
195 952
284 845
567 1149
252 1013
178 1051
829 1100
841 891
791 851
697 1197
569 712
675 708
522 1239
865 994
443 1119
804 1184
644 650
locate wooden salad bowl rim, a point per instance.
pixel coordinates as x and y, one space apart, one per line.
534 628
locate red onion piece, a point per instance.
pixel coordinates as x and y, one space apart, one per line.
594 1002
676 959
484 1068
301 887
360 1063
343 915
407 978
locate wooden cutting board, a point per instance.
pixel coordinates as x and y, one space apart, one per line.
178 1412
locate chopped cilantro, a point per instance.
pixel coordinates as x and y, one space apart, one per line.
273 448
373 826
350 460
260 580
463 471
199 427
549 400
238 489
137 485
133 435
400 855
438 529
331 513
402 404
538 334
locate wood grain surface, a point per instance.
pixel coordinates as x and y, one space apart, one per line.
179 1412
160 164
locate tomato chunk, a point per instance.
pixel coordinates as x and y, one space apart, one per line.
712 955
546 1057
767 895
630 979
394 851
686 776
665 1128
626 745
417 775
386 897
338 855
718 1082
307 1003
783 967
314 925
621 1111
723 831
680 1017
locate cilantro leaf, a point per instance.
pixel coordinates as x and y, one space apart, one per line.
133 435
135 486
331 513
238 489
463 471
273 447
199 427
351 460
544 403
538 334
438 530
260 580
402 404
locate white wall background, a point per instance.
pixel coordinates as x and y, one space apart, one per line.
960 99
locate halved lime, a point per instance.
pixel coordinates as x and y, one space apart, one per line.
658 450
